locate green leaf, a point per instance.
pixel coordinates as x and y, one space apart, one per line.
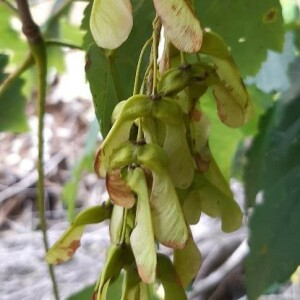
12 102
142 236
111 73
99 73
11 41
274 243
273 75
250 28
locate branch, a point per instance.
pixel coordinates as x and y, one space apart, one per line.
28 62
39 53
214 278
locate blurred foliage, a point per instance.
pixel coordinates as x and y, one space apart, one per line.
274 169
12 102
250 28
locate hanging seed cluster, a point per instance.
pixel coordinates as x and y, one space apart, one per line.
159 171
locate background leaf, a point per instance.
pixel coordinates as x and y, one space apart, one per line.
274 241
273 75
249 27
224 141
111 73
10 40
12 103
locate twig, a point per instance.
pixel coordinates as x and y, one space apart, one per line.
28 62
39 53
214 278
10 6
59 43
31 178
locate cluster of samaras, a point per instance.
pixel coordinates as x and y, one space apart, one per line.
159 171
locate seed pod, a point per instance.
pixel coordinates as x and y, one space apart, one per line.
133 287
153 157
187 261
211 194
119 192
213 44
142 237
122 156
174 80
65 247
117 111
168 221
169 279
115 261
181 26
111 22
135 107
175 144
192 207
115 225
154 130
229 110
233 101
199 133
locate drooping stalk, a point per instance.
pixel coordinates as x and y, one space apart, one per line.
155 44
138 68
39 53
60 43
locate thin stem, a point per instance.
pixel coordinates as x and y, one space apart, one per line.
59 43
56 12
39 53
28 62
123 232
145 78
140 135
10 6
155 37
182 58
138 68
